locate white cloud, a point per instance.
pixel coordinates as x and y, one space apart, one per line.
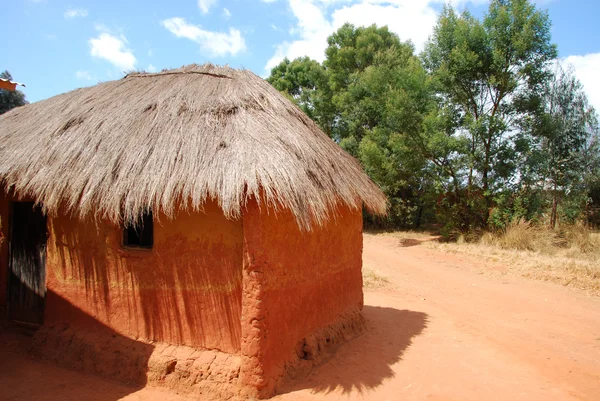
101 27
205 5
151 68
76 12
113 49
83 75
409 19
586 70
226 13
317 19
215 43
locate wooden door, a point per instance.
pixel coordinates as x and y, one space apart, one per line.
27 280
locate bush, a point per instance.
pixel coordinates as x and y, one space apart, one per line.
511 207
580 238
526 236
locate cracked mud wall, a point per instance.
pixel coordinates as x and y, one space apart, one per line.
295 283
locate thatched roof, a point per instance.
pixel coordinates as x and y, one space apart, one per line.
178 137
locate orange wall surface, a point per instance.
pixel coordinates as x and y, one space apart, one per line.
186 290
294 283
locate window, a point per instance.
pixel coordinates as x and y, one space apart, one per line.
141 233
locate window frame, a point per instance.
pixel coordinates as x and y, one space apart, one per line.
145 240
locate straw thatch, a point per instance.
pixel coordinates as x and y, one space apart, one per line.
178 137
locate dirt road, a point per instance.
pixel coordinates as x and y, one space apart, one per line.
439 330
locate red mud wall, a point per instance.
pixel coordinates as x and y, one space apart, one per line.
186 290
294 284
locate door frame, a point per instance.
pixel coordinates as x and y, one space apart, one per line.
9 256
9 270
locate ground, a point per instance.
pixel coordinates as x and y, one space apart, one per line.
439 328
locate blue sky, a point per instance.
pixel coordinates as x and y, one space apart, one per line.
54 46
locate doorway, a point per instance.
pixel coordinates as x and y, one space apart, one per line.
27 264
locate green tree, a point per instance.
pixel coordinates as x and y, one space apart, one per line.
368 95
10 99
592 206
489 76
394 96
304 81
354 54
380 94
567 152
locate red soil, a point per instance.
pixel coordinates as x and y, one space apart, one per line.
438 331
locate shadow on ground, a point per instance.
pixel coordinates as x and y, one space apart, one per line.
365 362
24 377
408 242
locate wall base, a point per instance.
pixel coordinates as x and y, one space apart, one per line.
322 345
212 374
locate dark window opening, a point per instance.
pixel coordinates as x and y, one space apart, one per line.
140 234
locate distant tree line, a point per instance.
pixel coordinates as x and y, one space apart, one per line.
483 127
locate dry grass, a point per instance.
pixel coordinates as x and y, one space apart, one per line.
569 256
173 140
372 279
404 234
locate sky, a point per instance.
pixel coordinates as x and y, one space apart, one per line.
54 46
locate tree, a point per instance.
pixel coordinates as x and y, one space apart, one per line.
355 53
470 129
303 80
490 75
10 99
397 94
379 95
368 95
567 134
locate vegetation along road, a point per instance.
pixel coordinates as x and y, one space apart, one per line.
440 326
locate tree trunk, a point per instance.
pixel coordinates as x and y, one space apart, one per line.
554 208
486 196
419 215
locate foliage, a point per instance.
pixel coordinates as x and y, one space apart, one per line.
475 133
370 93
564 148
527 205
10 99
489 75
303 80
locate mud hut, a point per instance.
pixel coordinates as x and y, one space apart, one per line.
9 85
190 227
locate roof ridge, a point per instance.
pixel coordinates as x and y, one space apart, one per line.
154 74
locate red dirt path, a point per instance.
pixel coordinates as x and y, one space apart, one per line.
438 331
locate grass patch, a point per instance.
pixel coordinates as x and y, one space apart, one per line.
372 279
569 255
